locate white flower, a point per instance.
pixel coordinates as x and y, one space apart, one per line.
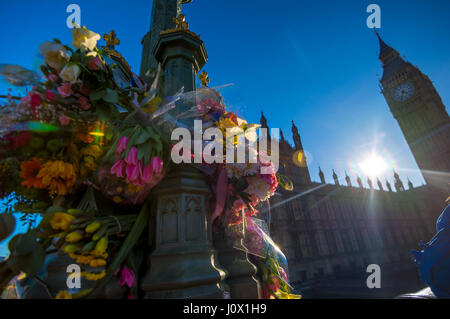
258 187
55 54
70 73
84 38
241 169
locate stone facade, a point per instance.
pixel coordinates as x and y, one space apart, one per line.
326 230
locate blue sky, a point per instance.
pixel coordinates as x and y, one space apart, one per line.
315 62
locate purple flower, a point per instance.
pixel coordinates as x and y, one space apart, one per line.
157 165
127 277
118 168
122 145
132 158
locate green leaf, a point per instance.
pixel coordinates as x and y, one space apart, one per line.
111 96
146 150
103 111
23 244
142 137
31 263
97 95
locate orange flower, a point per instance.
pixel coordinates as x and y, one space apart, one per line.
29 171
58 176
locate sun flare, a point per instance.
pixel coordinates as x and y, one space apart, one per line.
373 165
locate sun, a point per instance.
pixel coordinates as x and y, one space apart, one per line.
373 165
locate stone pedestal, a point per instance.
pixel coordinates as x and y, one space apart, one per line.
240 271
181 54
183 261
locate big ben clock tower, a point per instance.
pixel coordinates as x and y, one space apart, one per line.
418 109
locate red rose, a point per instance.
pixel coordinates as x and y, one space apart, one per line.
50 96
36 100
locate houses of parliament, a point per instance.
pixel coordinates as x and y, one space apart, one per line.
330 229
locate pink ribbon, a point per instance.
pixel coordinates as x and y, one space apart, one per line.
221 193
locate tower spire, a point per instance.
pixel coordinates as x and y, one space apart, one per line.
380 186
388 185
369 182
348 180
359 181
335 177
322 176
296 136
263 121
398 183
387 54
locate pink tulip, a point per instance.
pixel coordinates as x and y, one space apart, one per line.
157 165
122 145
147 174
132 158
118 168
127 277
132 172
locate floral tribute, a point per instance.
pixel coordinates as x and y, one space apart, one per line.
79 147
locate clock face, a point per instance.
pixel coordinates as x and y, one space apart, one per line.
403 92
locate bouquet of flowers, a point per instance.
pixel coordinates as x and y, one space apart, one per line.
80 138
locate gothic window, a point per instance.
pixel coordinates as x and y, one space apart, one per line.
353 240
366 238
305 245
331 242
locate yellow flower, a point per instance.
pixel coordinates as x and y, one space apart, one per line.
134 189
117 199
70 72
90 165
96 253
97 263
55 55
285 295
58 176
63 294
102 245
71 248
84 38
80 259
61 221
92 227
73 237
93 276
92 150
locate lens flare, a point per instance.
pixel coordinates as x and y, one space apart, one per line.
373 165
